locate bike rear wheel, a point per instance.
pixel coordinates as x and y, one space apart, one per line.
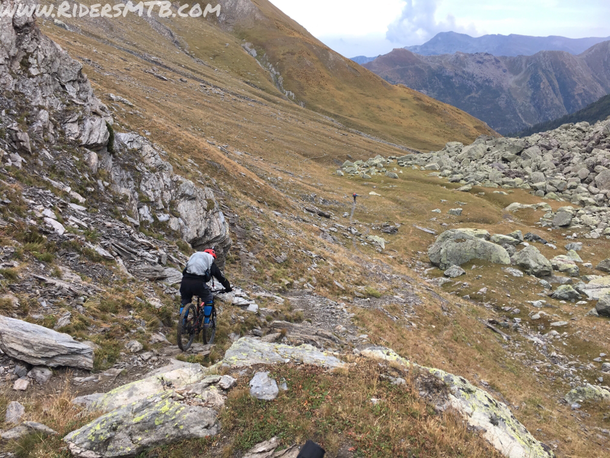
209 330
187 327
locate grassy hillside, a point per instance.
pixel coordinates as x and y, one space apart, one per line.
597 111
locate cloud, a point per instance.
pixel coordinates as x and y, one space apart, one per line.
417 23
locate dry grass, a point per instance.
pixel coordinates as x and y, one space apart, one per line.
55 411
337 411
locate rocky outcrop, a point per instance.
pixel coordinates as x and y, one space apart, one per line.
482 412
457 247
248 352
587 393
41 346
34 68
157 195
161 419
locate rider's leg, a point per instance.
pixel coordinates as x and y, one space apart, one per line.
207 298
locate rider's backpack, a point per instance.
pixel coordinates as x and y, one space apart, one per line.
200 264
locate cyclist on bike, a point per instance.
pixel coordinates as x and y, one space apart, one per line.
199 270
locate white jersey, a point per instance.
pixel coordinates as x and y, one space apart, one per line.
200 264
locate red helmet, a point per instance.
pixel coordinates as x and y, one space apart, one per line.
211 251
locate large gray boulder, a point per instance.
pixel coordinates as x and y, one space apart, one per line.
588 393
457 247
41 346
565 293
533 262
263 387
158 420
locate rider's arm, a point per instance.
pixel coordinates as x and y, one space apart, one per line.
217 274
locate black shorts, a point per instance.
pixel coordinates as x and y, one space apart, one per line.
190 288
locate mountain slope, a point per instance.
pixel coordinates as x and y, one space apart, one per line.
509 93
597 111
502 45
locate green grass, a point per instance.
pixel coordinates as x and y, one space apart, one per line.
9 274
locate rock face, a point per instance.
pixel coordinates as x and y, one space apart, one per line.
457 247
533 262
40 346
479 409
188 209
34 67
157 420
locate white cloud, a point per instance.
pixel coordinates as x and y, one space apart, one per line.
418 23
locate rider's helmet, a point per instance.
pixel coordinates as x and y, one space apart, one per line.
211 251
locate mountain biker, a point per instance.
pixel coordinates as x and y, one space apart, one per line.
199 270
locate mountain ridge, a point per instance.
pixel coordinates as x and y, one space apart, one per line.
509 93
502 45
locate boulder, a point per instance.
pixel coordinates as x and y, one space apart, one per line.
587 393
565 265
533 262
596 288
604 266
157 420
562 219
603 306
457 247
565 293
574 246
41 346
264 388
249 351
602 181
28 427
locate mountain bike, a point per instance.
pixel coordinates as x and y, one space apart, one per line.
193 321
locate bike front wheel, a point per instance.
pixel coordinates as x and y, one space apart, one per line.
187 327
209 330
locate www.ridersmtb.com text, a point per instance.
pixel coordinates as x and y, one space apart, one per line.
67 10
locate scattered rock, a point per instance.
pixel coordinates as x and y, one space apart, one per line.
604 266
264 388
14 412
40 374
565 293
134 346
603 306
454 272
533 262
21 384
587 393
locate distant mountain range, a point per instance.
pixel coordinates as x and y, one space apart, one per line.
498 45
502 45
508 93
597 111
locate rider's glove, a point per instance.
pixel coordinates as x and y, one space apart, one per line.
228 290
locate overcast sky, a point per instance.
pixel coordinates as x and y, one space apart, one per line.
354 27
